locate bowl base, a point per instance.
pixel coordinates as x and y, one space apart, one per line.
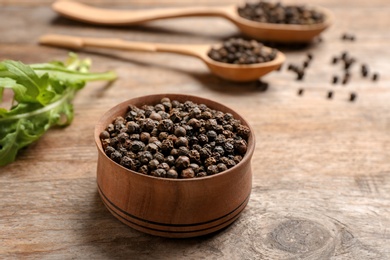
173 230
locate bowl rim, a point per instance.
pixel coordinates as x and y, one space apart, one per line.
245 160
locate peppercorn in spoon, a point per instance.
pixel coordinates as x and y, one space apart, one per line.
218 65
283 27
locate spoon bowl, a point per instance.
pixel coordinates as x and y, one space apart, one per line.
232 72
261 31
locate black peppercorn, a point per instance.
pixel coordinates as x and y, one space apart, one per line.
164 166
159 173
153 139
145 157
165 125
219 150
194 156
167 105
159 157
212 169
220 139
127 162
144 169
193 140
162 136
243 131
172 138
189 130
174 152
229 147
171 173
187 173
182 150
134 137
237 158
205 153
221 167
210 161
170 160
159 107
153 148
175 103
203 139
240 146
352 97
116 156
181 141
201 174
105 143
180 131
137 146
119 120
194 123
230 163
155 116
182 162
164 115
167 146
335 79
104 135
144 137
147 125
110 128
132 127
211 135
206 115
195 167
153 164
175 116
195 113
109 150
227 127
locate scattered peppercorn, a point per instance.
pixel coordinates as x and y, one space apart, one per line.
330 94
364 70
375 76
335 79
300 91
347 75
300 74
348 37
352 97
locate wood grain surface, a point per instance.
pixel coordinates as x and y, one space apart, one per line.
321 185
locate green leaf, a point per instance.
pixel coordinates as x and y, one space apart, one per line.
44 94
25 76
19 90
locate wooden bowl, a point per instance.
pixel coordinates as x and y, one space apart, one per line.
175 208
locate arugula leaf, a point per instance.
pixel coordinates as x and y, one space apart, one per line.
43 94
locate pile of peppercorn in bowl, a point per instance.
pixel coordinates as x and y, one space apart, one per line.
174 165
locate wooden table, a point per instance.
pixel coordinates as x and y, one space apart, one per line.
321 184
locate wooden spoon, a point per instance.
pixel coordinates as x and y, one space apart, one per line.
227 71
256 30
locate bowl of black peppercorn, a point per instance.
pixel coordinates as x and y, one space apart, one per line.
174 165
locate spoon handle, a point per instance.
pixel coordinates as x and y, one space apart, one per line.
94 15
75 42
